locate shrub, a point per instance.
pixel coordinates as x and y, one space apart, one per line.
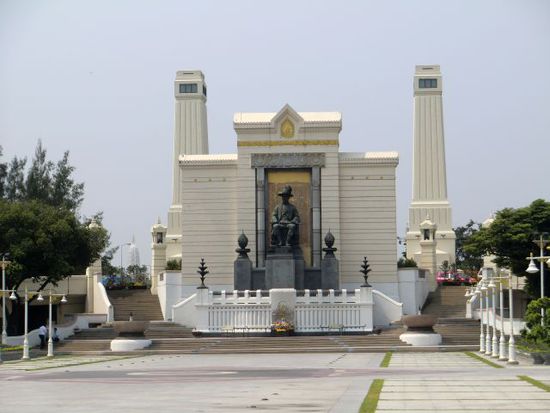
538 329
172 265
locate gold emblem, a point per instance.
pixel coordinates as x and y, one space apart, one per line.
287 129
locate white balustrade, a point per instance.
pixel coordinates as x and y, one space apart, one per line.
314 311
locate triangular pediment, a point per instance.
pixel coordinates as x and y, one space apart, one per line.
286 112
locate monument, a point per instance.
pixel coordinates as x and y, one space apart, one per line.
346 199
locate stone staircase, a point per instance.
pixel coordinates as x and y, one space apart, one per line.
143 305
449 304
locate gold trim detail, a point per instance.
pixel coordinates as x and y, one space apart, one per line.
287 129
327 142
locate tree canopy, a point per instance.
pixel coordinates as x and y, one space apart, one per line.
467 261
510 239
45 181
46 243
39 222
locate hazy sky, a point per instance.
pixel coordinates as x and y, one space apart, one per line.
96 78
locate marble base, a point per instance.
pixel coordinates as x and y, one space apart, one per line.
125 344
421 339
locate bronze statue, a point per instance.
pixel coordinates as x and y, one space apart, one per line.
285 221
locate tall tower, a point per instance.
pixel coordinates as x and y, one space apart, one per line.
191 138
429 171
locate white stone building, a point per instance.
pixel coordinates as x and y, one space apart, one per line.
216 196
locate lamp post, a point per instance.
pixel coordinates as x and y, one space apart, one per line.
533 269
502 342
479 291
12 297
27 296
5 263
488 335
50 321
493 288
511 342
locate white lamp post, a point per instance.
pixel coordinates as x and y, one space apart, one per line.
5 263
28 295
50 321
533 269
493 288
502 342
479 291
26 338
488 335
511 342
3 293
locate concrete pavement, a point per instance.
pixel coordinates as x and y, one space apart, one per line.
325 382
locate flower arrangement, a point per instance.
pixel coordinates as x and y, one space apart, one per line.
282 326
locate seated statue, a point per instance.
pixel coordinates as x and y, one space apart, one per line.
285 221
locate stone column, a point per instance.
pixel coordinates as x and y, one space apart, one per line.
367 306
428 249
158 254
93 276
260 216
316 215
201 306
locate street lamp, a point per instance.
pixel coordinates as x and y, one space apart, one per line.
50 321
492 287
479 292
4 263
533 269
3 294
488 335
29 295
502 341
511 342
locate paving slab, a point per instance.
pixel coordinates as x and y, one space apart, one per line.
312 382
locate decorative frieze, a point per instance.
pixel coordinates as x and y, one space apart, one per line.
287 160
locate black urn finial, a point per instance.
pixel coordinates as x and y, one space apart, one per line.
329 241
202 272
365 269
243 242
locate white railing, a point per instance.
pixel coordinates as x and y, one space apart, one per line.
102 304
386 309
250 311
237 317
184 312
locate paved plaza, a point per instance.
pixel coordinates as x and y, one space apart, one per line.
335 382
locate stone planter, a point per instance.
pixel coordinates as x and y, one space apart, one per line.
130 328
422 322
130 336
420 330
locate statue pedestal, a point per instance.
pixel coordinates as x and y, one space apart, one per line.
280 271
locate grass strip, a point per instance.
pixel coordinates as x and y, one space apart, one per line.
371 400
12 348
483 360
387 359
535 383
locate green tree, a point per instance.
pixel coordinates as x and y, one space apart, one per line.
46 243
44 181
466 261
510 239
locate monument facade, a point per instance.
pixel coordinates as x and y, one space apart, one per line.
219 196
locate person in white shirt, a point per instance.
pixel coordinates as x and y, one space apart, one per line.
42 331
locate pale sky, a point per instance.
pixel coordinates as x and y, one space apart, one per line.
96 78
